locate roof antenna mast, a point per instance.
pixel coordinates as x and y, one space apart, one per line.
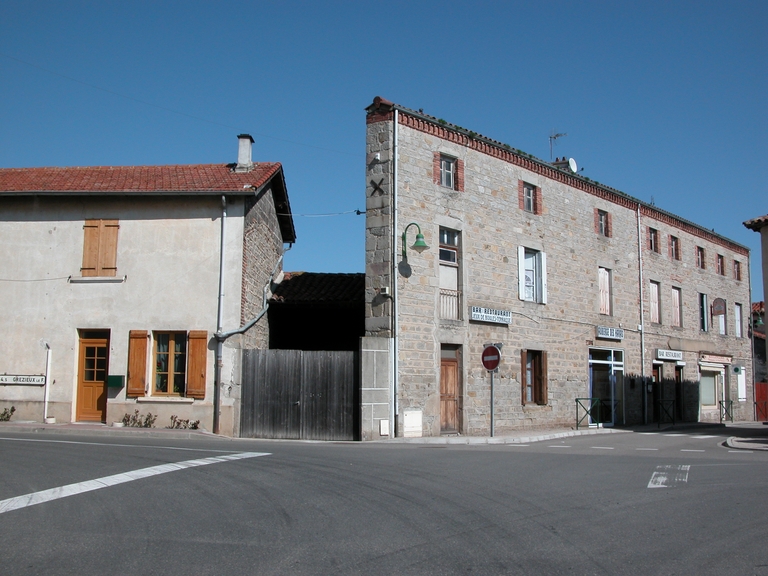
552 139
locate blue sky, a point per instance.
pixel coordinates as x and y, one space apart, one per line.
665 101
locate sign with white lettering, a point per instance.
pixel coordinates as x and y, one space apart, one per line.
669 354
479 314
610 333
22 380
716 358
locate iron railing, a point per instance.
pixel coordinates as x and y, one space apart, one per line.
666 408
595 410
449 304
726 410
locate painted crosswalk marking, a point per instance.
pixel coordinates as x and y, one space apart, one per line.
107 481
669 476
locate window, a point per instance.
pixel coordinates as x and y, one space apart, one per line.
677 307
653 240
100 248
737 270
449 274
655 291
179 364
448 172
674 248
720 265
604 287
703 313
721 325
532 275
534 377
701 261
529 197
603 223
737 320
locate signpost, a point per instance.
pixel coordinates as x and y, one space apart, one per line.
491 358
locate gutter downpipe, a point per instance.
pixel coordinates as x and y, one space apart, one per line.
395 409
219 314
642 318
48 377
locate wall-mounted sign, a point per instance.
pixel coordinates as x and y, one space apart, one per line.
479 314
22 380
610 333
718 307
716 358
669 354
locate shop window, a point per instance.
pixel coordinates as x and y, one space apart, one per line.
534 377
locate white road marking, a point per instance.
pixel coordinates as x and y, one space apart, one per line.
675 434
684 450
740 451
602 448
646 448
705 436
649 433
89 485
669 476
524 445
557 446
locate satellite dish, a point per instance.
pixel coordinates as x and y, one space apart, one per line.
572 165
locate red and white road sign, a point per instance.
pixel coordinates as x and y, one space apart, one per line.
491 357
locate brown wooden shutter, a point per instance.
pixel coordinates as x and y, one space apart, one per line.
90 248
609 225
521 194
522 376
544 378
537 201
108 248
137 363
459 182
197 358
436 168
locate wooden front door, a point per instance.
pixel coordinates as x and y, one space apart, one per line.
93 367
450 392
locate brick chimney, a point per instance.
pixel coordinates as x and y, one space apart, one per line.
244 162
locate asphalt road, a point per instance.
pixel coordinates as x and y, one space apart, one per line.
606 504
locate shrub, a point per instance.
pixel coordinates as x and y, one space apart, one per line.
135 420
6 414
181 424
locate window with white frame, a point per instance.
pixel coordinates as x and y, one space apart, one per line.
529 192
721 325
532 275
720 264
703 313
447 171
449 274
655 300
701 259
604 288
653 240
674 247
677 307
737 320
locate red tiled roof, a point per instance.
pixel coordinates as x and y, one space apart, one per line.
758 307
316 287
195 178
757 223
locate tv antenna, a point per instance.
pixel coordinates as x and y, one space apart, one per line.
552 139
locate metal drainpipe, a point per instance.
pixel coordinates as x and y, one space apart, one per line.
642 318
219 314
395 308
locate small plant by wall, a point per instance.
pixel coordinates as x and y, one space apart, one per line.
181 424
135 420
6 414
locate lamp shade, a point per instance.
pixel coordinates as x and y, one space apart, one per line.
420 245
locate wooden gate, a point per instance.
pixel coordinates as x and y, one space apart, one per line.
295 394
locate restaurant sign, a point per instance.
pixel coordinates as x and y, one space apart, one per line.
669 355
610 333
479 314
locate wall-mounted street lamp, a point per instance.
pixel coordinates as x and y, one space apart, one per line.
419 245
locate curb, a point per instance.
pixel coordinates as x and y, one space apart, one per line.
78 430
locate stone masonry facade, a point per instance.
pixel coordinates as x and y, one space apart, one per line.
562 232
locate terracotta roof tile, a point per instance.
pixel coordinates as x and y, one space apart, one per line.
758 307
305 287
195 178
757 223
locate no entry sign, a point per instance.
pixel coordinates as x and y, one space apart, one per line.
491 357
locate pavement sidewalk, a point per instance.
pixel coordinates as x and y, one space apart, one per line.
741 435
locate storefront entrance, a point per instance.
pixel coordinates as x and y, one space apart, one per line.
606 386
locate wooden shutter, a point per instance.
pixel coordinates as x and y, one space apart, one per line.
523 354
90 248
436 167
458 182
521 272
108 247
609 225
137 363
543 378
537 201
197 357
100 248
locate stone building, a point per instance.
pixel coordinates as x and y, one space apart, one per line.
606 309
134 287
